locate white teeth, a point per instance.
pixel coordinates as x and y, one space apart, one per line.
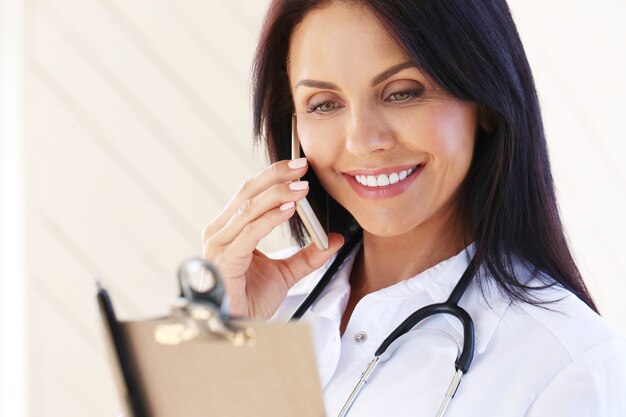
382 180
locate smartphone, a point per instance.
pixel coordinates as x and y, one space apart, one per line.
304 209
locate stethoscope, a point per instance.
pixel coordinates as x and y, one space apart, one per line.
403 331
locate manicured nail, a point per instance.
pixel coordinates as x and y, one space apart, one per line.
287 205
299 185
297 163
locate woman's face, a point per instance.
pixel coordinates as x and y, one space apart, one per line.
364 110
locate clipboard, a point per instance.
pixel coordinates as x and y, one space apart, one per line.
197 362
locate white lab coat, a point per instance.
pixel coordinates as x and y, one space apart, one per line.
529 361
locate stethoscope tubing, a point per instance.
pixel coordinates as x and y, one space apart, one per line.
351 241
450 307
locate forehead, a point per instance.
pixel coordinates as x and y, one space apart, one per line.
343 39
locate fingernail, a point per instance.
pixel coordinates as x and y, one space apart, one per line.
287 205
297 163
299 185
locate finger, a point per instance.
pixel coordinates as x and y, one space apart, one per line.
252 233
277 173
310 258
251 210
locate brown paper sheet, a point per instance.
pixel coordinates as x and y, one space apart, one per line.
276 377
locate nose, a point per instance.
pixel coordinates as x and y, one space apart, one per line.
368 132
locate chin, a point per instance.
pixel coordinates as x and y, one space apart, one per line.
384 227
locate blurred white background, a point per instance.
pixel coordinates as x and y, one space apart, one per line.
125 127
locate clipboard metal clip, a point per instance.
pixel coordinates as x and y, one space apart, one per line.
198 313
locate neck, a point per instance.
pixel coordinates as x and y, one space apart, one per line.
387 260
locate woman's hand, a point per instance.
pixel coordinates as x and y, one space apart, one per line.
255 284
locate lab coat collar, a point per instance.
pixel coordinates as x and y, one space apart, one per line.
438 282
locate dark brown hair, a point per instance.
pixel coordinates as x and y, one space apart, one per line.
472 49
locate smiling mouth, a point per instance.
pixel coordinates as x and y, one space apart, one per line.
383 180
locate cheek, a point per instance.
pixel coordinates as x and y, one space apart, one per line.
453 134
321 145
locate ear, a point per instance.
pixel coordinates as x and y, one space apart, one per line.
486 119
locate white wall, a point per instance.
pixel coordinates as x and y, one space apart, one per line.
137 130
13 317
137 133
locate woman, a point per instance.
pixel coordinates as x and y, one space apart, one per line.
422 131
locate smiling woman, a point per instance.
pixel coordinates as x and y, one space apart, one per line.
381 117
423 136
469 113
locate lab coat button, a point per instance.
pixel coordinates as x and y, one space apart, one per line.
360 337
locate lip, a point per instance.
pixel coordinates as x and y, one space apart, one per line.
387 191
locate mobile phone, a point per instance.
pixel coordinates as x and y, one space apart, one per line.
304 209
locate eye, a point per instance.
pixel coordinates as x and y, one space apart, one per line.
402 96
402 91
323 107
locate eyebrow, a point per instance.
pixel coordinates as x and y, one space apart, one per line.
325 85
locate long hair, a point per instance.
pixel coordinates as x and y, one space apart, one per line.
472 49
